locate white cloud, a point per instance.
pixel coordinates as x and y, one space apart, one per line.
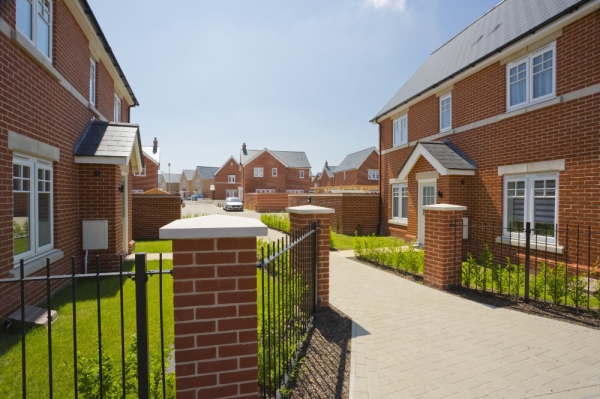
399 5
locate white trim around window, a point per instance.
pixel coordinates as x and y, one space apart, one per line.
230 193
142 173
446 112
34 21
302 174
274 172
400 131
92 81
531 198
231 179
373 174
117 109
531 79
400 203
258 172
33 214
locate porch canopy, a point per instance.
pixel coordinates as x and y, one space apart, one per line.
444 156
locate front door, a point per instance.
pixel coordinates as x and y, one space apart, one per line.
426 197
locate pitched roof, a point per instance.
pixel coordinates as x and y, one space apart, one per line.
189 174
153 156
506 23
207 172
291 159
353 161
231 158
330 170
444 156
156 191
110 142
171 177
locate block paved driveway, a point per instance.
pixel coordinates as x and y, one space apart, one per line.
412 341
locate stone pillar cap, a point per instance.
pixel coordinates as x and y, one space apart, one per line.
445 207
309 210
213 226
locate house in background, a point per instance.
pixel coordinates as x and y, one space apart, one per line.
358 169
170 182
186 184
228 180
327 177
266 171
68 144
147 179
504 120
204 180
315 180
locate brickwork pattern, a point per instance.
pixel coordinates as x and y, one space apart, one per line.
150 180
443 255
266 202
216 339
286 179
221 179
151 212
298 221
353 212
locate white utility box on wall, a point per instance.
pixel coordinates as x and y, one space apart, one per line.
95 234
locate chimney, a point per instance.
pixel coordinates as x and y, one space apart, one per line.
244 147
155 148
326 164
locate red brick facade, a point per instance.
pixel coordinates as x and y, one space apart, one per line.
146 220
286 178
266 202
222 181
360 176
149 180
567 129
45 106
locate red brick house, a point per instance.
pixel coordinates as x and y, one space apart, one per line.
503 119
266 171
67 144
327 178
147 179
358 169
228 180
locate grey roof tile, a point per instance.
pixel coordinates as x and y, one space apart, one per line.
354 160
291 159
449 156
107 139
207 172
499 27
189 174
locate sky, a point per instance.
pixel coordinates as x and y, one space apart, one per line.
287 75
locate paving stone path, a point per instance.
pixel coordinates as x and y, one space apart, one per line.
411 341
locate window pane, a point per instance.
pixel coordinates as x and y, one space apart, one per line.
44 227
24 17
543 213
516 214
404 207
395 202
21 225
43 35
542 74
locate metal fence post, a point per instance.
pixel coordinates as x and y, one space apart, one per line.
315 248
527 256
141 315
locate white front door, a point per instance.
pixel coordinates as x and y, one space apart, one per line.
426 197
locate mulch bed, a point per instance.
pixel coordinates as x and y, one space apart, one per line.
325 368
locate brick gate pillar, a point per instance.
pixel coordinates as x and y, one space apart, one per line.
443 250
214 294
301 216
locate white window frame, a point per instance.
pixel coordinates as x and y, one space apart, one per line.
398 190
344 175
35 165
259 172
34 16
528 61
117 115
446 106
142 173
230 193
231 179
294 191
529 191
265 190
373 174
302 174
400 131
92 81
274 172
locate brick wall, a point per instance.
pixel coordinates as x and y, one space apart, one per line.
294 182
266 202
221 179
151 212
353 212
326 181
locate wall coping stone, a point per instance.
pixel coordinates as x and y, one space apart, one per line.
213 226
445 207
309 210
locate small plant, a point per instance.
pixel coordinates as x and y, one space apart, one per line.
576 291
331 239
557 285
468 272
537 282
277 221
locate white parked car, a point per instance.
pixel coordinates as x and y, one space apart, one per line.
233 204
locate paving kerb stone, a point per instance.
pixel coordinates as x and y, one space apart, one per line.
420 342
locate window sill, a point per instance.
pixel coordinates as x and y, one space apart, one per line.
518 110
36 263
539 246
398 222
26 44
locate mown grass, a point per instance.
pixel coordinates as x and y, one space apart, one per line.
153 246
341 242
36 342
277 221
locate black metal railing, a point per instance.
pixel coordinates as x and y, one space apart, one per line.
548 263
137 363
287 302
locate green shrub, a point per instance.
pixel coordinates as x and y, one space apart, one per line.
389 252
331 239
576 291
278 221
557 283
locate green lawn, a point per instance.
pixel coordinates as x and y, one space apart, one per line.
342 241
87 333
153 246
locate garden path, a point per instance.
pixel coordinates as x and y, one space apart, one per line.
412 341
